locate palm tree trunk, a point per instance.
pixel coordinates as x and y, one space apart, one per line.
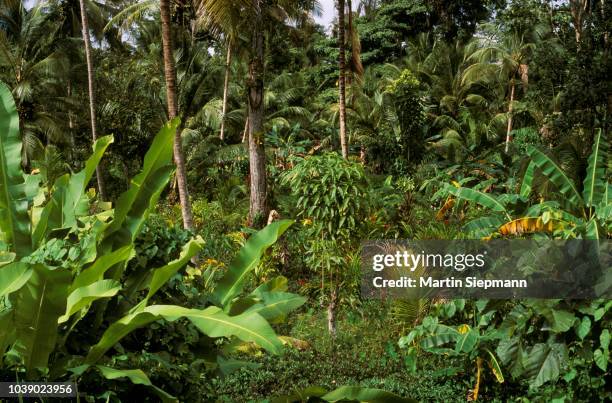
228 61
257 157
170 76
341 79
510 108
92 96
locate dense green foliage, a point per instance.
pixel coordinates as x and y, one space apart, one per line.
464 120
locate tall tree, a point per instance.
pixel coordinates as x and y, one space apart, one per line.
228 62
255 90
92 95
342 79
171 98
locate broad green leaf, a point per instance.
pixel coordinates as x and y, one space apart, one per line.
543 363
475 196
527 180
68 193
137 377
601 359
584 327
14 219
556 175
211 321
163 274
13 277
595 181
356 393
96 271
467 341
7 330
83 297
134 205
276 284
38 306
483 226
248 257
276 305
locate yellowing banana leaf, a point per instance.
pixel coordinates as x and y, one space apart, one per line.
530 225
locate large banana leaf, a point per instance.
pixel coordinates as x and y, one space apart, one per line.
211 321
343 394
14 220
276 305
68 192
595 182
484 199
556 175
527 180
359 394
96 271
38 306
247 259
13 277
84 296
163 274
136 376
134 205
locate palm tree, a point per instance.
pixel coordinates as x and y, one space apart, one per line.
503 61
92 95
342 79
171 98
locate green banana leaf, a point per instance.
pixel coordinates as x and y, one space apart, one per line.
134 205
359 394
14 219
83 297
595 182
275 306
67 199
163 274
13 277
484 199
96 271
211 321
248 257
38 306
556 175
136 376
527 183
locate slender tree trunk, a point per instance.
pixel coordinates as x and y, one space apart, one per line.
510 109
258 210
228 61
341 79
331 313
92 96
170 76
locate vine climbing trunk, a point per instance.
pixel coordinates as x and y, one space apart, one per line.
510 111
258 209
342 79
228 61
171 98
92 96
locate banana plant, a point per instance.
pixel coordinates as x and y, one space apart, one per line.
63 262
585 214
475 343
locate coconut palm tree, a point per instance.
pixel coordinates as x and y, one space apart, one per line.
342 78
171 99
92 94
502 59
